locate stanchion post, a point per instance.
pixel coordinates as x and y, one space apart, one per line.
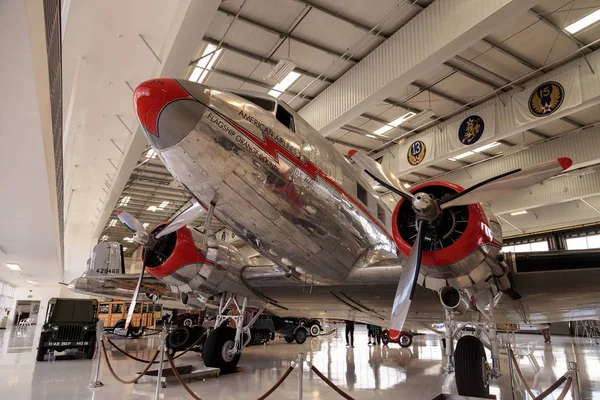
100 337
162 349
300 374
575 381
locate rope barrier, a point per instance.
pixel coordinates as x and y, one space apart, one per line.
331 384
195 397
134 380
564 378
565 389
147 361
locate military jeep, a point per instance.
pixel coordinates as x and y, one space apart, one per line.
70 324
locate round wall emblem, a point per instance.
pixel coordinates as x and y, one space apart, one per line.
471 129
546 98
416 153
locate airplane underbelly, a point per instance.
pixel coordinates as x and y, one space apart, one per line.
214 168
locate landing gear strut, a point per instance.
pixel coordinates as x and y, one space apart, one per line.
223 346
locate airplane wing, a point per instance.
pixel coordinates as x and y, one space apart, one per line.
122 286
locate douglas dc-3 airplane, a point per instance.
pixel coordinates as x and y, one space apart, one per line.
337 251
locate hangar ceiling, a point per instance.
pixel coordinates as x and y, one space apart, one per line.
329 41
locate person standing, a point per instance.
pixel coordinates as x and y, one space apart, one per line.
377 334
371 333
546 333
349 333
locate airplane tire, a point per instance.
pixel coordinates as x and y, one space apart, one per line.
288 339
405 340
470 363
136 332
215 352
300 335
179 339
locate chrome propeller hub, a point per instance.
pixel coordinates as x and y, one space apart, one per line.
426 207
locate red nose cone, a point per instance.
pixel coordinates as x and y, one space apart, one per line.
150 97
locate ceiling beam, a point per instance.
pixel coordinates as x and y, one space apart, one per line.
279 33
350 21
259 58
561 31
510 54
255 82
364 132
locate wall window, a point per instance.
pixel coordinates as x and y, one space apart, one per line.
526 247
583 243
361 193
7 294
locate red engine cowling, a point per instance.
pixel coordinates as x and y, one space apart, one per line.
456 244
173 251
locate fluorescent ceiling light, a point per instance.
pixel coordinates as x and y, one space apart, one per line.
145 225
460 156
103 238
205 63
519 212
128 239
406 185
124 201
584 22
371 136
486 147
152 208
281 69
163 205
124 248
284 84
113 222
151 153
32 282
14 267
395 123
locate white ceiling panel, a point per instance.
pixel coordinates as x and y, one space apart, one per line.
427 100
587 116
501 64
462 87
555 127
332 33
273 13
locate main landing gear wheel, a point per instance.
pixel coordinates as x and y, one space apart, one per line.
219 350
471 367
404 341
288 339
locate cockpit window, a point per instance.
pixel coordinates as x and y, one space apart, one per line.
285 118
265 104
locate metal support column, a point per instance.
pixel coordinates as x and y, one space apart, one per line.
575 391
300 374
100 335
162 349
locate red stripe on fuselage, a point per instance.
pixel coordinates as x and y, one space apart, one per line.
272 148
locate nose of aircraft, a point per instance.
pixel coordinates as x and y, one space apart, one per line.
167 111
150 97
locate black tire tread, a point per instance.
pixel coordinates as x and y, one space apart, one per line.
468 370
211 352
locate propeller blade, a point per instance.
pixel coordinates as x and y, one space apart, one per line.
130 221
408 279
134 299
380 174
502 184
184 218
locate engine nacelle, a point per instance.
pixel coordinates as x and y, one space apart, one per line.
459 247
177 261
452 300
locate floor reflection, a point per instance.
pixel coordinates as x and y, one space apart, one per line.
363 371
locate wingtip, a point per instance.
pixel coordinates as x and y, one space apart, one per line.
352 152
565 162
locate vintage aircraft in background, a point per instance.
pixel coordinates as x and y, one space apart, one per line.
336 249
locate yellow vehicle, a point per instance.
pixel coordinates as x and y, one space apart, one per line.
144 315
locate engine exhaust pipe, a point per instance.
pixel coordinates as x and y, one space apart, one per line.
192 301
452 300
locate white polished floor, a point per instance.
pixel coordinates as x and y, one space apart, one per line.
365 372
